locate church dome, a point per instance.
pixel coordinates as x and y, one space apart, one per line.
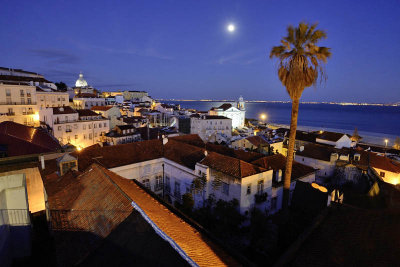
81 82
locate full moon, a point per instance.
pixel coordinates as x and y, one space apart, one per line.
231 28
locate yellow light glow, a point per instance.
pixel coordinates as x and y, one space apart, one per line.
79 148
319 187
263 116
36 117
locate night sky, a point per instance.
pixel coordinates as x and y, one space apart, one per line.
181 49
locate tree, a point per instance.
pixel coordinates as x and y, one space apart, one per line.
397 143
199 186
356 137
301 64
61 86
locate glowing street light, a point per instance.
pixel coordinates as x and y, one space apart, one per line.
263 116
386 142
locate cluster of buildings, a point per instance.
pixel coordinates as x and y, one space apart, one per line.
108 167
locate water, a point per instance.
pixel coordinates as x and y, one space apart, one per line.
374 123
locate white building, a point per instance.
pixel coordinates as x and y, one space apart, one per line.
47 97
80 128
122 134
211 128
18 103
337 140
87 101
237 114
110 112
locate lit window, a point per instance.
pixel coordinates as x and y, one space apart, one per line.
146 183
382 174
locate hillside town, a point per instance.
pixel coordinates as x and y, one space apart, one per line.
94 177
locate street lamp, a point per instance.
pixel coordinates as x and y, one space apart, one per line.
386 142
263 116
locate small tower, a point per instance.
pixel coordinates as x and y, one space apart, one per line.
240 104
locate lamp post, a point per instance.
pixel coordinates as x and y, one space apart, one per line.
263 117
386 142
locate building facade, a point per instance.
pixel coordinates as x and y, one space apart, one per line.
236 114
211 127
80 128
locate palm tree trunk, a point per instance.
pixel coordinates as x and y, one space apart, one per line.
290 153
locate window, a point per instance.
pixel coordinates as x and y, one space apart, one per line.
248 192
95 125
29 101
260 187
99 125
75 126
90 126
273 203
159 183
105 124
22 100
177 190
90 136
84 136
167 184
22 93
76 137
8 92
382 174
225 188
66 118
84 127
59 128
146 183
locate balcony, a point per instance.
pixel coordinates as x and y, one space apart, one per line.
17 103
260 197
68 130
10 113
28 113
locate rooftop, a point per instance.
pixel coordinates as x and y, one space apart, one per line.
101 108
63 110
19 140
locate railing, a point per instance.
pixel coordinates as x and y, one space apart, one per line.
17 103
28 113
14 217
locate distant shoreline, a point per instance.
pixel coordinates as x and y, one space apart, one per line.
286 102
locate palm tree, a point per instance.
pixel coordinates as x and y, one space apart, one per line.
301 64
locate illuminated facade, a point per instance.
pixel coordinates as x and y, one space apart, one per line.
80 128
237 114
18 103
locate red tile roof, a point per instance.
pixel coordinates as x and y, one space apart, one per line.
231 166
86 112
101 108
330 136
184 154
102 191
86 95
191 139
63 110
256 140
119 155
278 162
24 140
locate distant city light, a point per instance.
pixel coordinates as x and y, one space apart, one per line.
231 28
263 116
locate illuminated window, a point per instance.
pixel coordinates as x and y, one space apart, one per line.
146 183
382 174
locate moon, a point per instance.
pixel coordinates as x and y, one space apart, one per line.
230 28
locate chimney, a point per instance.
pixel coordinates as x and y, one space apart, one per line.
42 162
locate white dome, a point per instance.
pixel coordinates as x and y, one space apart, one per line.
81 82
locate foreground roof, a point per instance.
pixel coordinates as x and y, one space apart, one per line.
101 202
330 136
18 139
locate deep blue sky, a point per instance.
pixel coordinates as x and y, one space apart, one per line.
181 49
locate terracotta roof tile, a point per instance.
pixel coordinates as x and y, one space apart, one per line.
195 244
86 112
231 166
24 140
101 108
257 140
330 136
63 110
